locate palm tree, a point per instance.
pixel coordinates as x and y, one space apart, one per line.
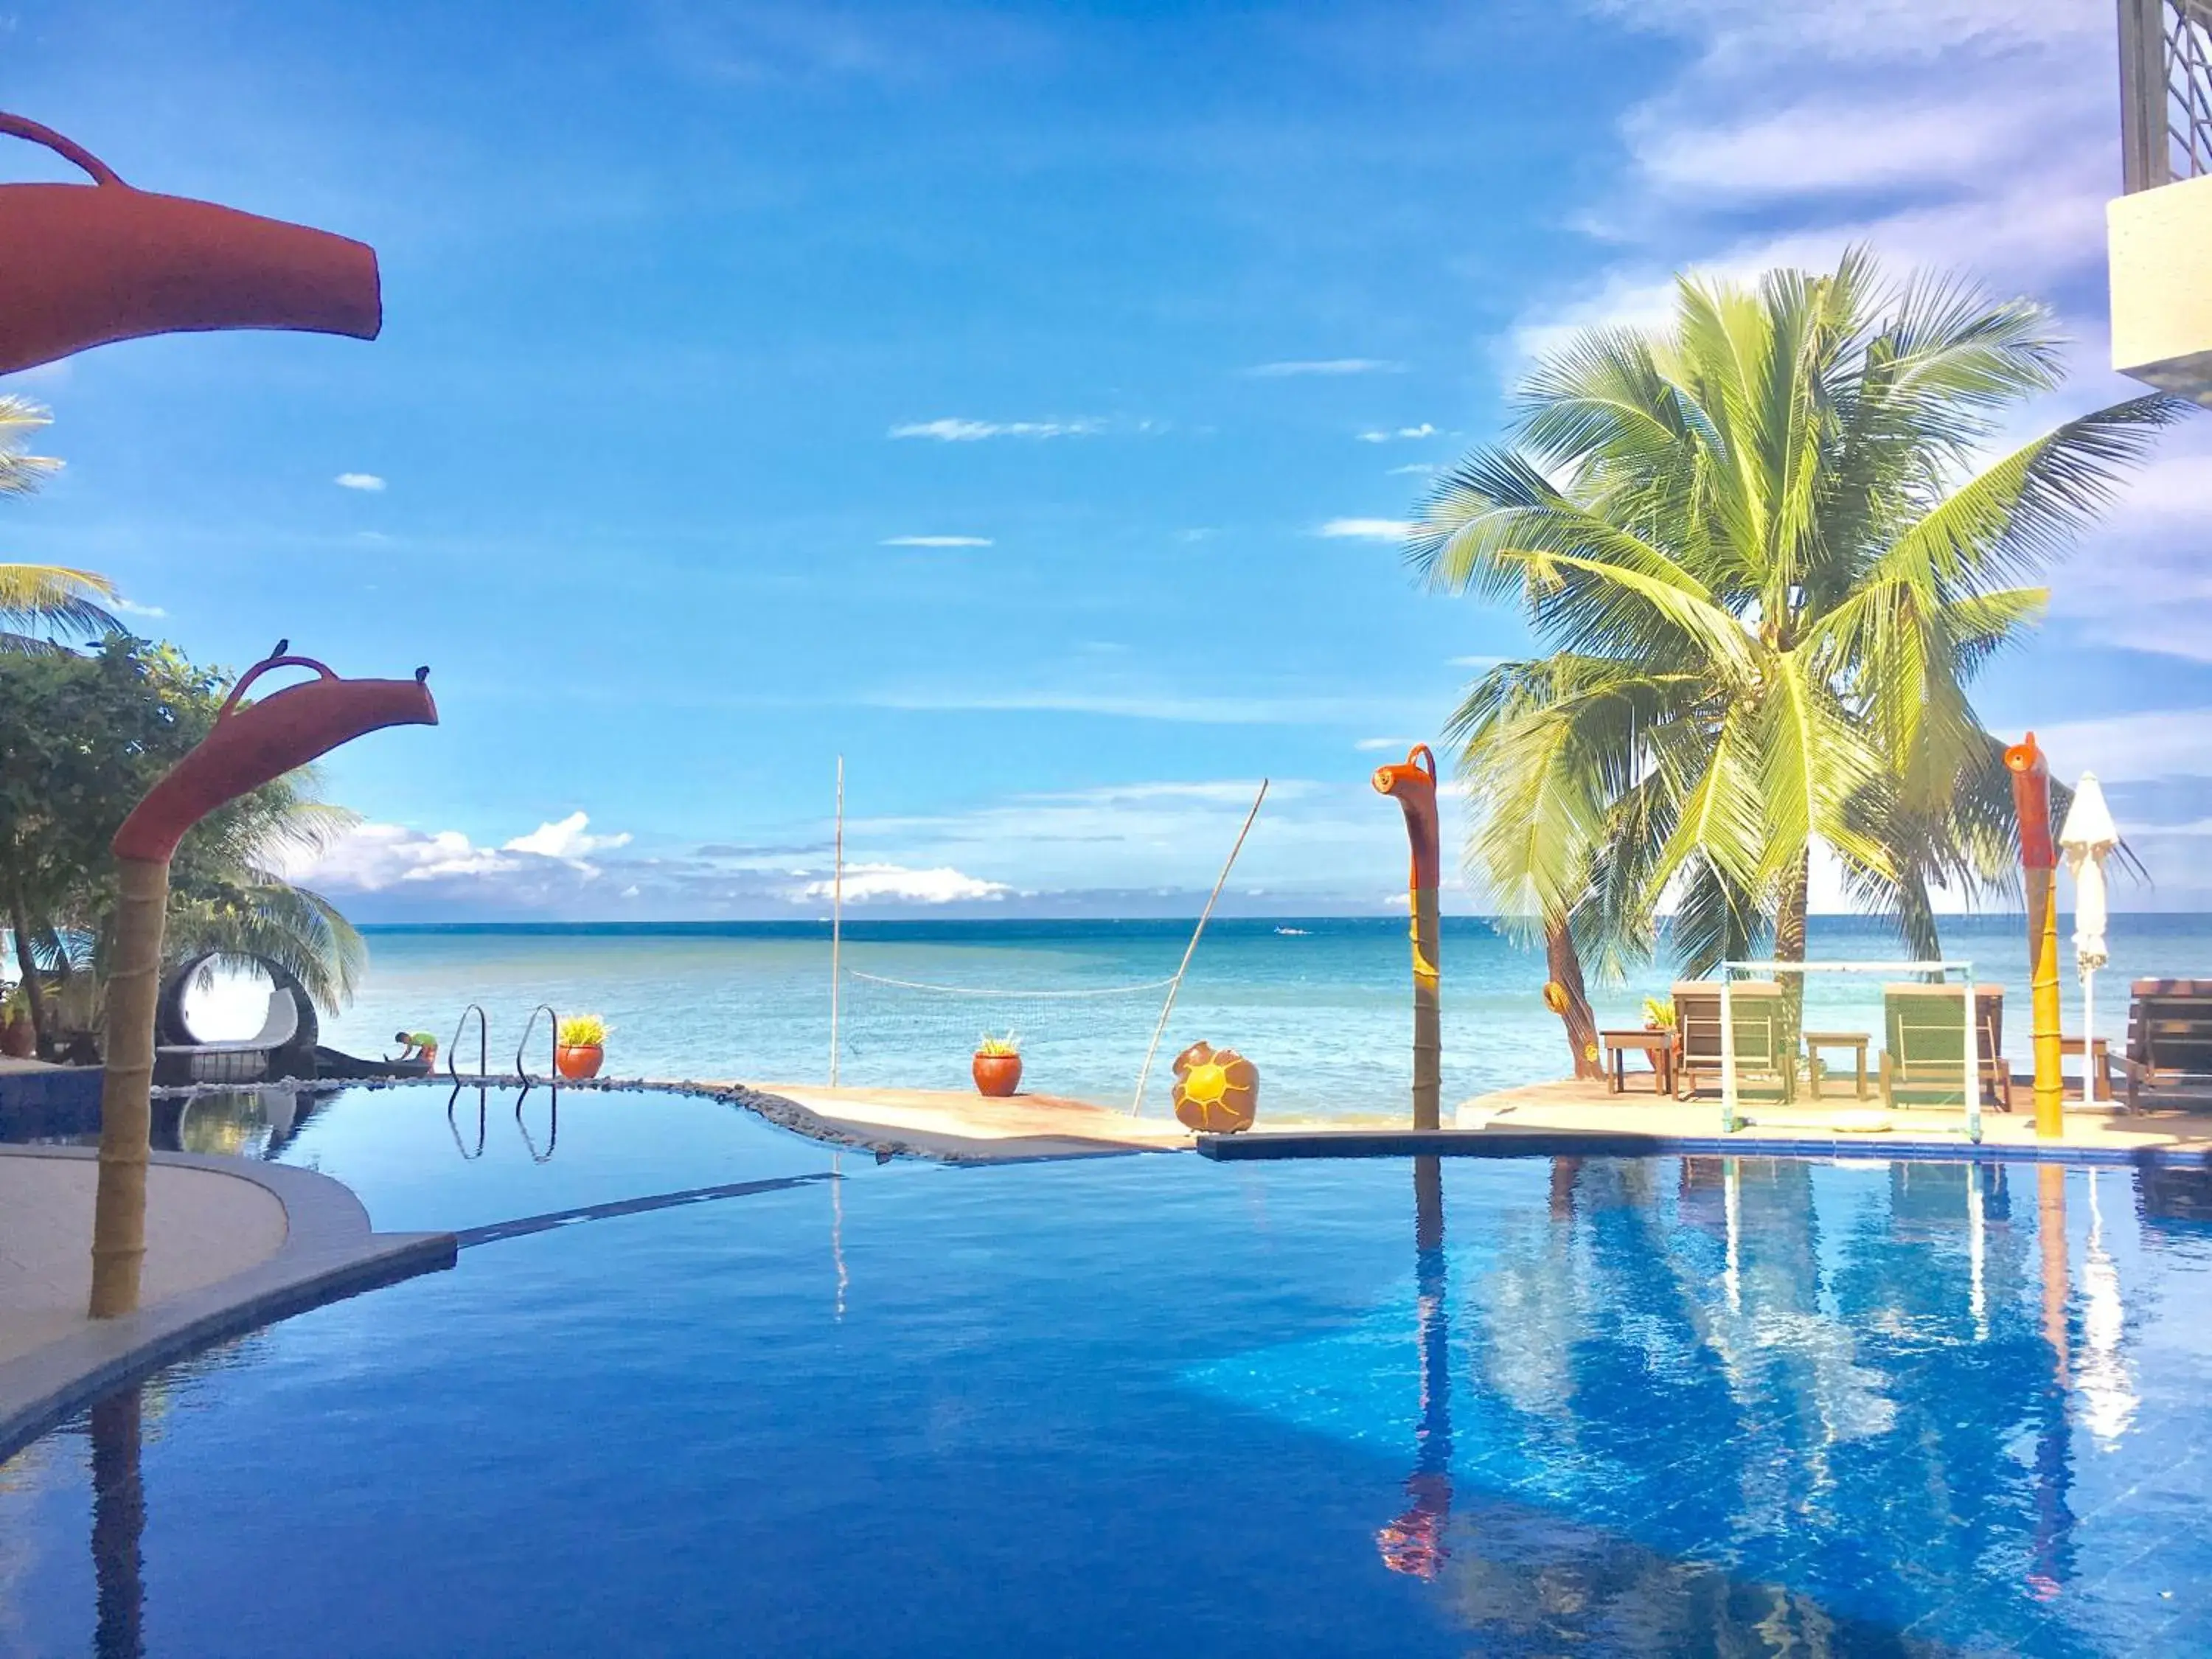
1768 552
82 736
48 598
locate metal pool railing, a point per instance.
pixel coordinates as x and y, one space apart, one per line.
2165 92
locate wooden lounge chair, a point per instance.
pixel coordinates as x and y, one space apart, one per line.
1765 1050
2169 1041
1924 1045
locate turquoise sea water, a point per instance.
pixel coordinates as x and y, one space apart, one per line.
1322 1005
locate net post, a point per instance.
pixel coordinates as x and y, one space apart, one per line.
837 921
1152 1050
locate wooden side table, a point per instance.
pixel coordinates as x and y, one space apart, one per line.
1658 1047
1855 1041
2100 1064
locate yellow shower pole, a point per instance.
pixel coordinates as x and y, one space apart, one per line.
2039 863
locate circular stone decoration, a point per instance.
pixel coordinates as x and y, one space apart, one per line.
1217 1090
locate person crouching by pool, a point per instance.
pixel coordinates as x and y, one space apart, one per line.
417 1046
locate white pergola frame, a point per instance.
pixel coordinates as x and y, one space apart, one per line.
1732 1118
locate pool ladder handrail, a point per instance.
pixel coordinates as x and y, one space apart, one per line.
459 1145
553 1123
552 1046
484 1043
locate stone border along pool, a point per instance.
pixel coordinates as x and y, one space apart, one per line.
330 1252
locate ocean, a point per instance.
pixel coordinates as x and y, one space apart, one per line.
1322 1006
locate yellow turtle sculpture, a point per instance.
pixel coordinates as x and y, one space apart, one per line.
1217 1090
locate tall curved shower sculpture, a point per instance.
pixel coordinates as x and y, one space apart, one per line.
1412 783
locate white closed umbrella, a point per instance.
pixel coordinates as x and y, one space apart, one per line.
2087 838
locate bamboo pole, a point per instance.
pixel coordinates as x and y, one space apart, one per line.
119 1216
836 922
1175 985
2042 987
2039 861
1428 1012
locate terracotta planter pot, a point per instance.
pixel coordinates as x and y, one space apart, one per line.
997 1075
17 1040
578 1060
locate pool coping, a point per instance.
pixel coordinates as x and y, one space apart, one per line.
1264 1145
883 1141
330 1252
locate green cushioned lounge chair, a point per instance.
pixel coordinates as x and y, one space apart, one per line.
1924 1052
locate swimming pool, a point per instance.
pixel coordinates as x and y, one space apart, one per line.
1152 1403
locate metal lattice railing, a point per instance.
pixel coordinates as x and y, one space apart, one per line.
2165 91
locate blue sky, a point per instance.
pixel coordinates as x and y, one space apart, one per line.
1017 399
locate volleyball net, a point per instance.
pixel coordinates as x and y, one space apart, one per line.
1079 1040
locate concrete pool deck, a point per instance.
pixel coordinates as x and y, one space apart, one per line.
230 1246
962 1127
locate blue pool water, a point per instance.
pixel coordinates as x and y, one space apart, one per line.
1151 1404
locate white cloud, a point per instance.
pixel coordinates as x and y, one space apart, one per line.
566 839
1366 530
2143 747
1370 745
953 431
1473 662
1144 704
1970 134
936 541
1821 146
377 858
1415 469
2144 580
131 608
367 481
1744 33
1383 435
1326 365
868 884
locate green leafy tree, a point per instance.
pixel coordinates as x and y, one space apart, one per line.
1768 550
83 737
40 601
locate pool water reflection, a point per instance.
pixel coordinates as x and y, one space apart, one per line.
1607 1407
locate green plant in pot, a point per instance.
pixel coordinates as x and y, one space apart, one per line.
996 1068
1658 1013
579 1046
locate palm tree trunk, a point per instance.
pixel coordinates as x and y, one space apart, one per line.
1564 964
1790 944
1789 912
34 993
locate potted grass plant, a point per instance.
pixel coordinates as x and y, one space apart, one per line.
996 1068
17 1039
580 1046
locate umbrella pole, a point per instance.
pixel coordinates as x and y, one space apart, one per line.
2088 1037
